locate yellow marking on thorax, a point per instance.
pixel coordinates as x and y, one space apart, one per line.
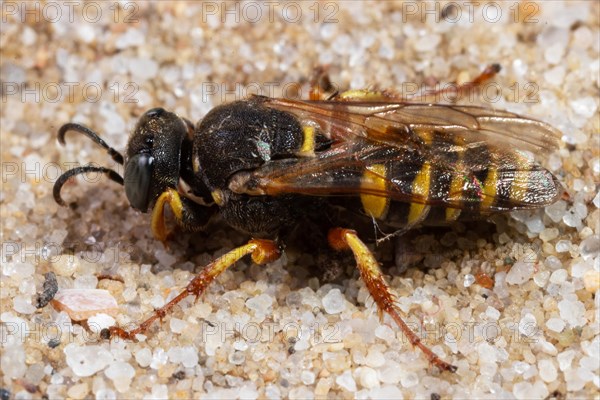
374 176
489 188
308 142
217 196
420 187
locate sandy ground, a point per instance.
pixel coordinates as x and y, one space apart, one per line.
281 330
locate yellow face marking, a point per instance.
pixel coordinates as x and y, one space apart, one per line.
171 197
420 187
308 142
374 177
489 188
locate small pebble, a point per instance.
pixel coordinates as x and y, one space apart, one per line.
596 200
590 247
492 313
22 304
368 378
427 43
409 379
562 246
556 324
528 325
375 358
261 304
78 391
547 370
549 234
469 280
541 278
572 311
556 211
386 393
553 263
143 357
346 382
520 272
334 302
584 106
87 360
82 304
177 325
100 321
591 280
121 373
307 377
559 276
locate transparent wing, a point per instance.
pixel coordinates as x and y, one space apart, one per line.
471 155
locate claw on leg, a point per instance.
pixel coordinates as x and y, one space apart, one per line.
347 239
261 251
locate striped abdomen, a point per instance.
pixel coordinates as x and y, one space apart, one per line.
446 182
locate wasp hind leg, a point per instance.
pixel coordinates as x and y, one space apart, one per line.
453 92
261 251
347 239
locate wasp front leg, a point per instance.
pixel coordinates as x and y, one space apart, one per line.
189 215
347 239
261 251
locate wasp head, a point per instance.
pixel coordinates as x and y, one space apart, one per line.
152 162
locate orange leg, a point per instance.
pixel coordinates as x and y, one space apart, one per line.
262 252
188 215
321 87
488 73
346 239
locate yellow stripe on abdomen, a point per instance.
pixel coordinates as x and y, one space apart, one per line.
489 189
374 177
456 188
420 187
519 188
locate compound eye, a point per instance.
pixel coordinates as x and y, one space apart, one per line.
138 176
155 112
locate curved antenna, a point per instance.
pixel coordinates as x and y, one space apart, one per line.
118 157
112 175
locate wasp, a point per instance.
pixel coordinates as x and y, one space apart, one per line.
266 165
